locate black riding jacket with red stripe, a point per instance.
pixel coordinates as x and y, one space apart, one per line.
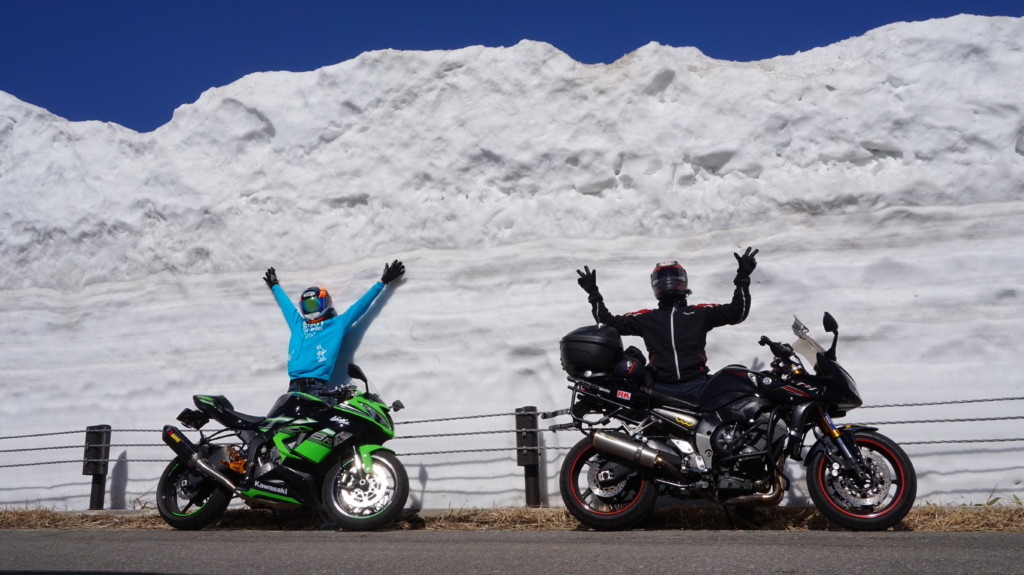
676 333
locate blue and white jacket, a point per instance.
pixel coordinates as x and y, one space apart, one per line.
313 347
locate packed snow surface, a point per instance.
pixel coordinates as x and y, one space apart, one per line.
882 179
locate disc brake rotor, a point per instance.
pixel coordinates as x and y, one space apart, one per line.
187 489
363 497
864 492
597 489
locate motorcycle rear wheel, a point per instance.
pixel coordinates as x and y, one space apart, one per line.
622 506
871 504
188 500
356 504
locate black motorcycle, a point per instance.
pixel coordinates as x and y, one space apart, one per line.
728 447
308 451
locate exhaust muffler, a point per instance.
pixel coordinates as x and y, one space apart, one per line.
179 444
621 445
188 452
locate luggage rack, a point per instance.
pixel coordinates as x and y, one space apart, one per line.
608 405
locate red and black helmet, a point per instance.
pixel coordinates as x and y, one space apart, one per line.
669 278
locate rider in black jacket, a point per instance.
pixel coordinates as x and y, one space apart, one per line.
676 333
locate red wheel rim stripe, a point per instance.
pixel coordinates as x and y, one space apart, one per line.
897 498
575 493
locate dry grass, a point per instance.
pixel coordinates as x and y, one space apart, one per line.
922 518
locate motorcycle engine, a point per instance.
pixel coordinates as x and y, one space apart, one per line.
264 457
741 449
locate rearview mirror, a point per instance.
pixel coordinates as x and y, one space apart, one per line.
356 373
831 325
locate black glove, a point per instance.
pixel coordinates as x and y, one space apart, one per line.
747 263
588 281
392 271
270 277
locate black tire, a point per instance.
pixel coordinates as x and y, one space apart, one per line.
879 504
625 505
374 504
188 500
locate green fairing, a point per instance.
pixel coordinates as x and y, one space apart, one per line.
366 455
260 493
313 448
287 433
369 410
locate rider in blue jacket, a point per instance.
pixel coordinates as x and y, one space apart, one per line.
318 331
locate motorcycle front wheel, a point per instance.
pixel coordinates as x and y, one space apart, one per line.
187 499
356 501
871 499
624 505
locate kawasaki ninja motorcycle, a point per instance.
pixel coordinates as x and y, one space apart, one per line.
730 445
305 452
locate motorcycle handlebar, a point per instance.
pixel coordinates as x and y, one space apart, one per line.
781 350
339 392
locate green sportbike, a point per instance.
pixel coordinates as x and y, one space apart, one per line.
305 452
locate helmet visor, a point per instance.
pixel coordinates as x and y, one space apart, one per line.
668 278
311 304
669 274
314 302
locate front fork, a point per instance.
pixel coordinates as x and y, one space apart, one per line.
362 456
846 452
828 427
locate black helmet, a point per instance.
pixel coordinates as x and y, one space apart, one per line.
315 303
669 278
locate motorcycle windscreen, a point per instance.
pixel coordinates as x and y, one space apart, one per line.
805 345
808 349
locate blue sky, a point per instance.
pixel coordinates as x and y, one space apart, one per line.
134 61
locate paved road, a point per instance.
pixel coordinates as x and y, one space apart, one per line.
527 552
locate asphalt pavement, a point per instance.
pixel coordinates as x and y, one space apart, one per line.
425 552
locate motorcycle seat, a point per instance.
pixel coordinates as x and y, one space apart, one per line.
218 407
672 401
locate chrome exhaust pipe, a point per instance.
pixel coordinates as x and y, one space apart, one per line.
770 499
621 445
208 470
187 451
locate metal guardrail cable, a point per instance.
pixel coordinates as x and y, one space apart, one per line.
951 402
1007 418
41 448
471 451
79 461
538 449
467 433
962 441
41 434
80 446
491 432
464 417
